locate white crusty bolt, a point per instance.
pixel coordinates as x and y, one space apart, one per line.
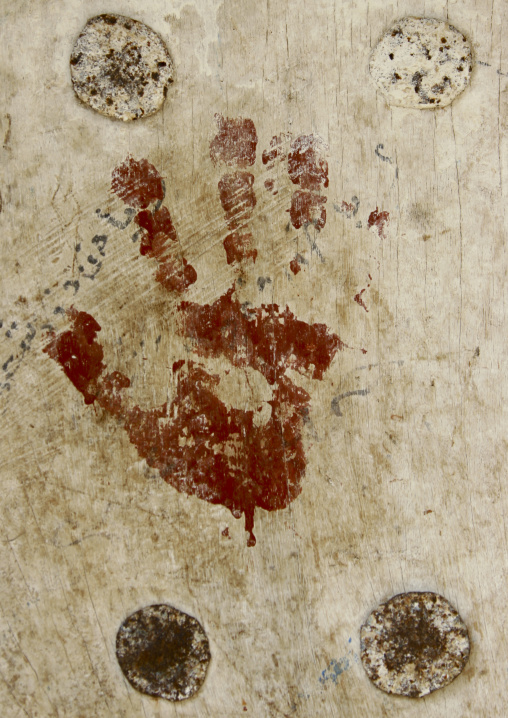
421 63
120 67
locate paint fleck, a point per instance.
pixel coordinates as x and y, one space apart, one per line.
358 297
334 670
379 220
414 644
350 209
163 652
276 150
235 142
269 186
294 266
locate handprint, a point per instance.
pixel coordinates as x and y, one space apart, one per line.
199 445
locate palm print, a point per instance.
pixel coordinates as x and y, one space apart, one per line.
198 444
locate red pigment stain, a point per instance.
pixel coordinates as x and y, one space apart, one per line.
158 229
175 274
276 151
266 338
178 365
235 142
358 299
306 165
269 185
137 183
348 208
78 353
225 532
199 445
307 208
239 246
379 220
237 197
294 266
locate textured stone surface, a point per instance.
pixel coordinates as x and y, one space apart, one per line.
414 644
422 63
120 67
163 652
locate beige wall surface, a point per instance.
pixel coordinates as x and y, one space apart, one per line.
405 481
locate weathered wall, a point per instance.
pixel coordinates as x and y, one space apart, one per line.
404 487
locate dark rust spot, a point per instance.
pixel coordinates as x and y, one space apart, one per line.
413 644
109 19
163 652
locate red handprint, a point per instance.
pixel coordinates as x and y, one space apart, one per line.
198 445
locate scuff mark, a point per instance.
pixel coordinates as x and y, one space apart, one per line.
336 400
7 136
382 157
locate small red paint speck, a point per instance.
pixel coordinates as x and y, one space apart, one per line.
294 265
358 299
378 220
